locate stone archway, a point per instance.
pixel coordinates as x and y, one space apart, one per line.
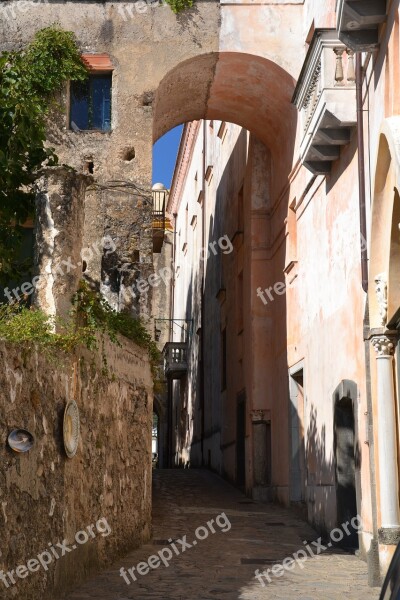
237 87
254 93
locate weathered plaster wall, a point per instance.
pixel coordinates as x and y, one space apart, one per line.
161 313
273 30
46 497
143 47
327 293
59 233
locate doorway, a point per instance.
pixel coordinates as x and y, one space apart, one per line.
345 465
296 435
241 441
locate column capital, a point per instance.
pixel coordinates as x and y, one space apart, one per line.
259 415
384 344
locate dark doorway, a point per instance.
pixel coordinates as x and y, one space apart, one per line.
240 442
296 432
346 497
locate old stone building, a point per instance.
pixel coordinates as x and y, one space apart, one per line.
281 317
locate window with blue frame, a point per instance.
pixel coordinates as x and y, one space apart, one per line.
91 103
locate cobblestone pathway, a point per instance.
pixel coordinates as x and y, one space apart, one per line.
222 566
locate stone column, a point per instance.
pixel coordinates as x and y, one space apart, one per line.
261 460
387 437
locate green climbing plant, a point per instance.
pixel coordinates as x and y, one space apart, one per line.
30 328
96 315
91 319
29 82
179 5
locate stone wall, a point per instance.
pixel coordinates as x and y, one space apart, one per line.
46 497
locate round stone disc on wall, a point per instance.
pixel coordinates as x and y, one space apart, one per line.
71 427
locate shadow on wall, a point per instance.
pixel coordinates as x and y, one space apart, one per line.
320 472
332 482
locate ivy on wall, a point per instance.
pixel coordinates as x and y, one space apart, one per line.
91 319
180 5
29 81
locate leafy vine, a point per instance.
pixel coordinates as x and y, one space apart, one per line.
29 81
91 319
179 5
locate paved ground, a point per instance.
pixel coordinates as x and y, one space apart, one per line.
222 565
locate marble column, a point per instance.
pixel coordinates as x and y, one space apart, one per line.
387 436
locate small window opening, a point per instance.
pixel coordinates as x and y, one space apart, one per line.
91 103
129 154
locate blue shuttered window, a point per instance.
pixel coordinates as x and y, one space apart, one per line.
91 103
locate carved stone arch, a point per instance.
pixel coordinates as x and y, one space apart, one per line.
384 272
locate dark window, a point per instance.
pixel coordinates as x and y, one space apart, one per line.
13 292
240 324
240 210
223 360
91 103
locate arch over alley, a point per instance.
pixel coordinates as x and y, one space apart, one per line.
236 87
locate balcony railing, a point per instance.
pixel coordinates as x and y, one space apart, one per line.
358 23
159 205
175 359
325 96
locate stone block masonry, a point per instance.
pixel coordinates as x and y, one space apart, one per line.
45 497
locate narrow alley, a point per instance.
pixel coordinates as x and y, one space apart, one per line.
223 564
199 299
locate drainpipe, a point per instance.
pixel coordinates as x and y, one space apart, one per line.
203 225
361 172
